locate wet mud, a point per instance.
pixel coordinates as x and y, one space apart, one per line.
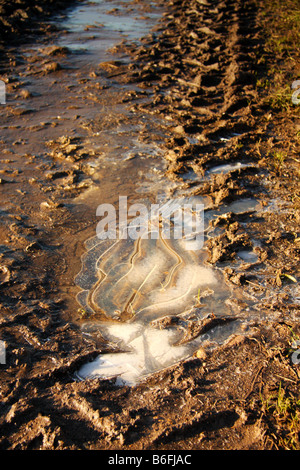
157 102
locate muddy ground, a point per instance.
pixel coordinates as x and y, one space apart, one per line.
198 72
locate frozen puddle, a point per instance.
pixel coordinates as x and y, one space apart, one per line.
226 168
147 350
131 284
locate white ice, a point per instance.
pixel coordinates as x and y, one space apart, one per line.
146 279
227 167
148 350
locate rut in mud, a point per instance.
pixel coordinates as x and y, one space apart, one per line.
178 114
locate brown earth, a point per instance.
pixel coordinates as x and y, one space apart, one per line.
200 70
22 17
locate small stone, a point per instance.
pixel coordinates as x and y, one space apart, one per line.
26 94
52 67
201 353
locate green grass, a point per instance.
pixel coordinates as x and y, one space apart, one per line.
284 20
280 97
281 24
279 157
280 66
283 411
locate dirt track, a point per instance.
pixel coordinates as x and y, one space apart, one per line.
199 71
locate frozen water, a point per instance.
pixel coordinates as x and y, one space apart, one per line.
148 350
131 283
141 278
144 351
227 167
249 256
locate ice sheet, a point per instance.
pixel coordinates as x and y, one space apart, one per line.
149 350
134 282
